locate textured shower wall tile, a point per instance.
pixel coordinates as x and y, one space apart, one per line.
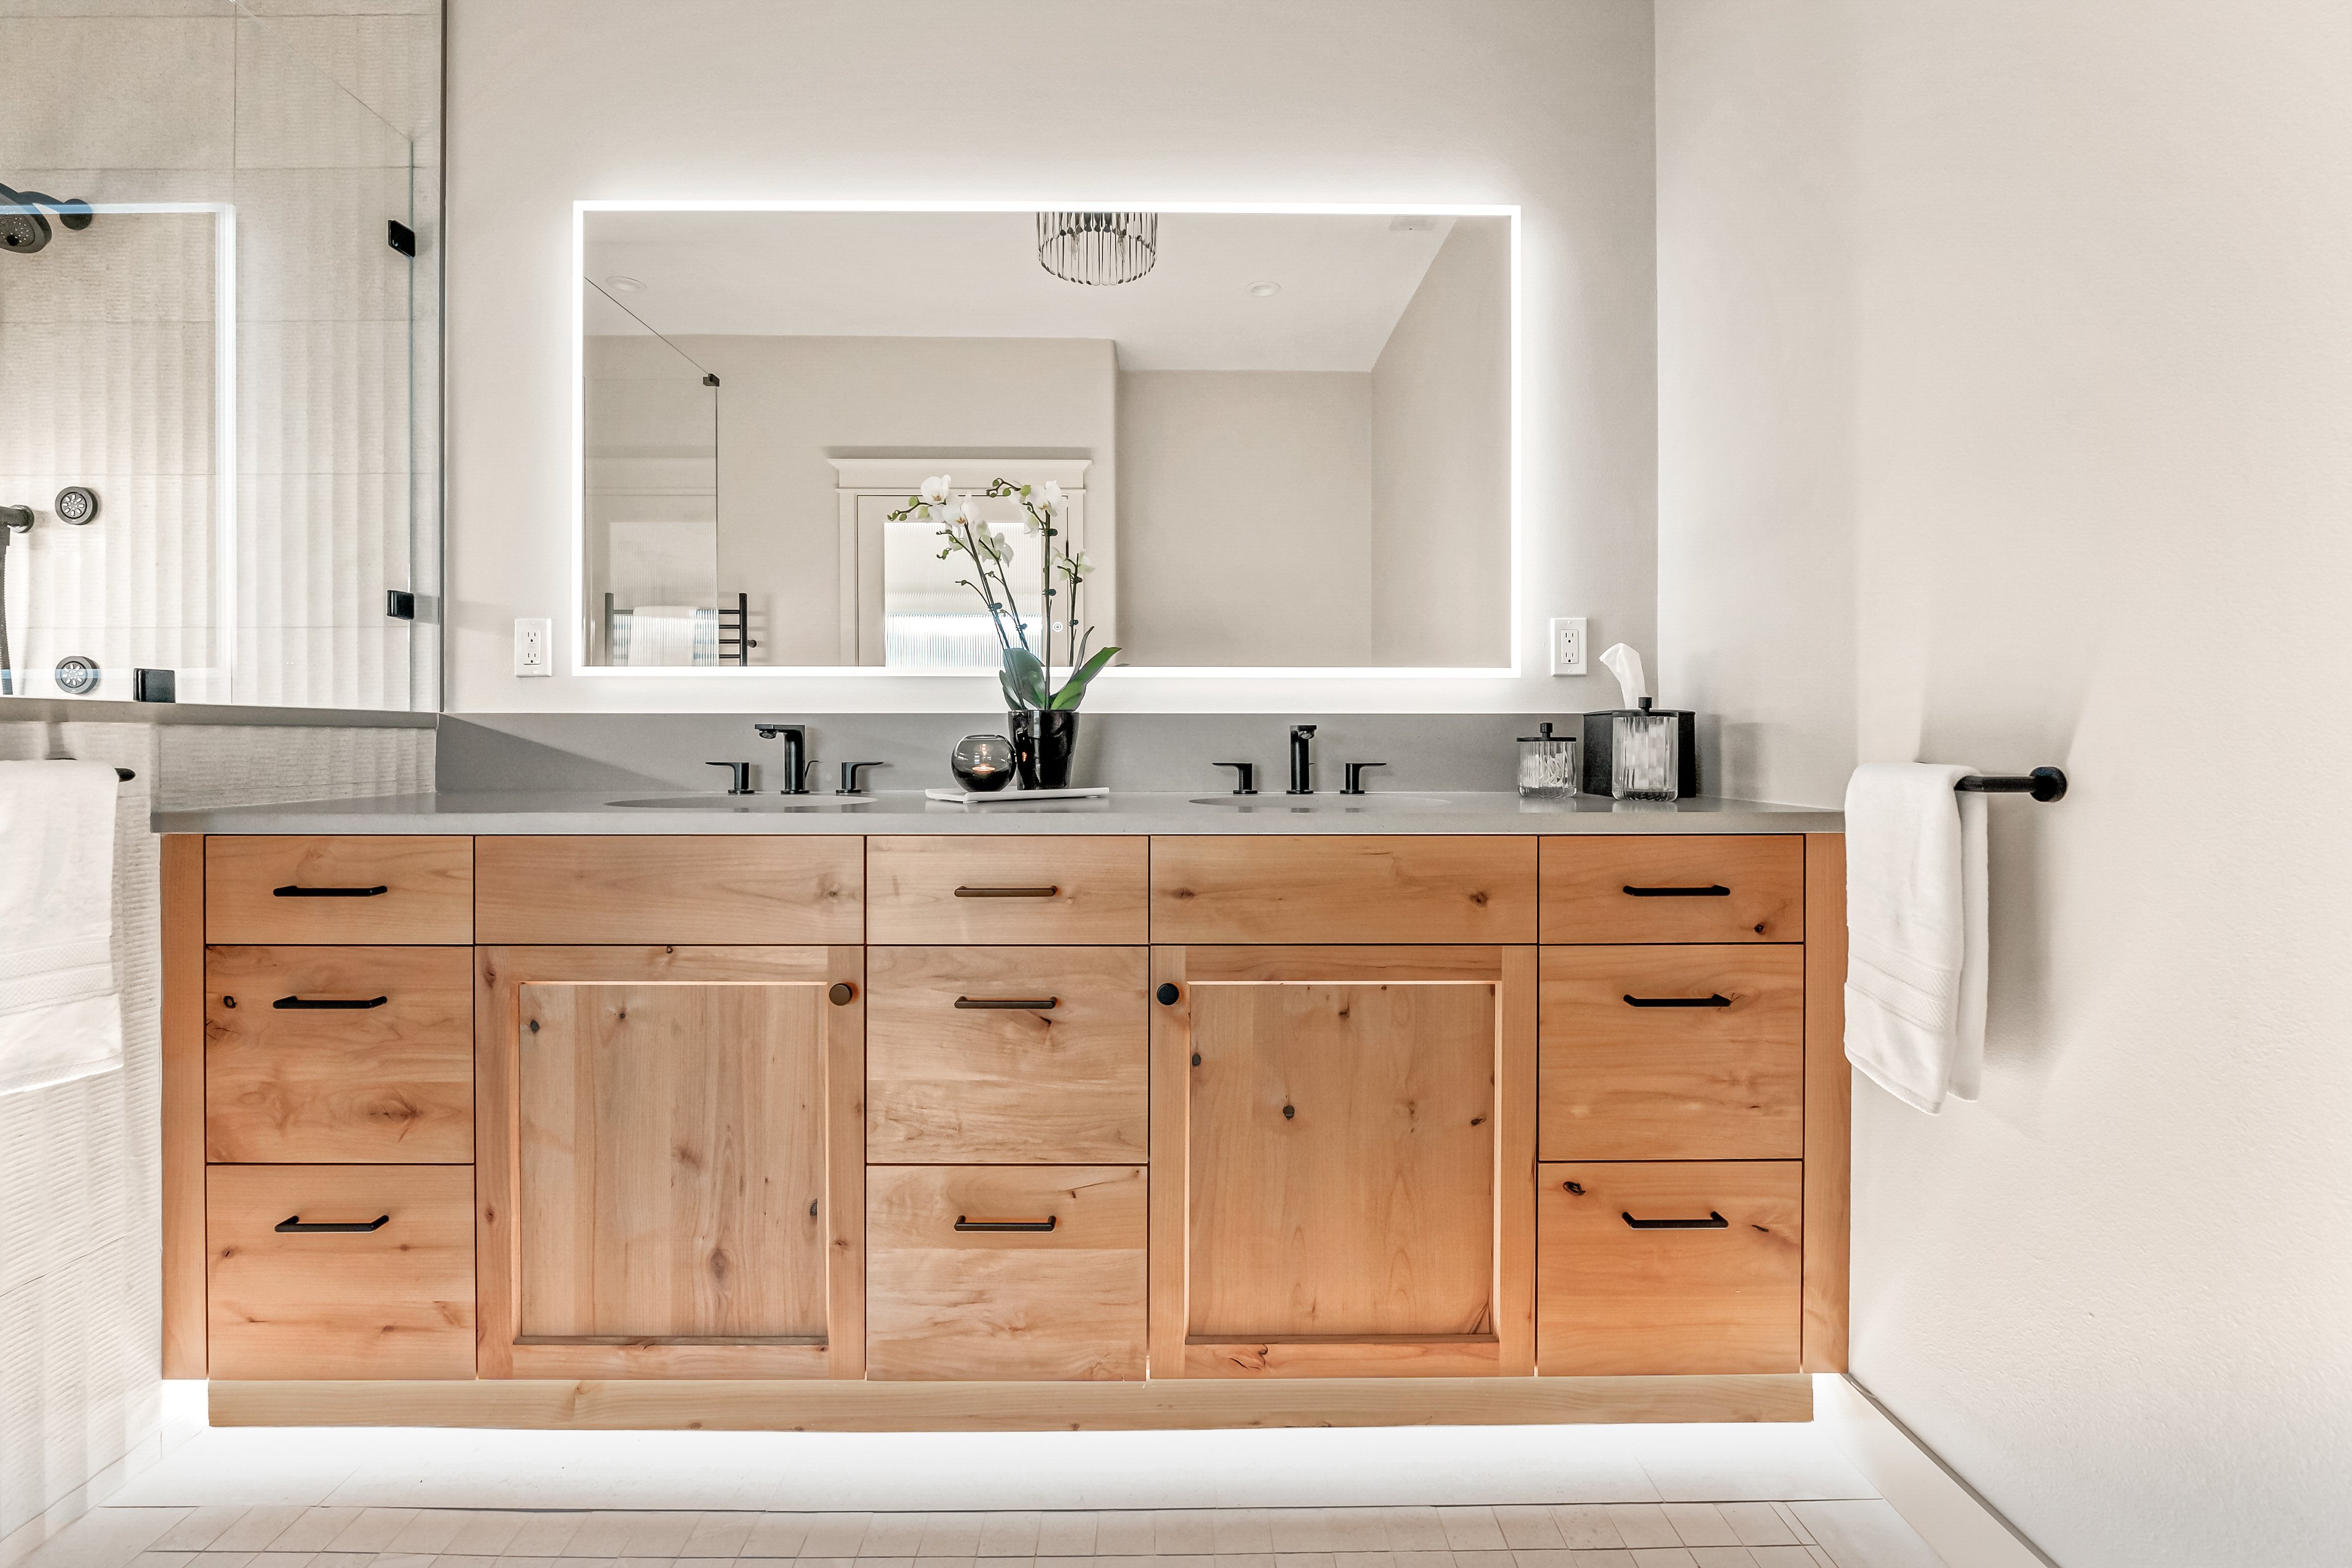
325 666
318 397
103 396
319 549
312 245
125 267
135 587
219 765
292 114
211 183
390 63
150 92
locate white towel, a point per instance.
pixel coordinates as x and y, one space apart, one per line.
59 1017
1915 917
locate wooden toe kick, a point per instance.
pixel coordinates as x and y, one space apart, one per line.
627 1405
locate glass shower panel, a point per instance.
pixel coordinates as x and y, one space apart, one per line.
113 338
330 490
651 493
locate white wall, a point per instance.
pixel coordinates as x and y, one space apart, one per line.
1441 552
2007 388
1540 102
1247 499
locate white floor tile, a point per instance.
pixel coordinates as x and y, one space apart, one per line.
1700 1524
1866 1533
1757 1462
1644 1525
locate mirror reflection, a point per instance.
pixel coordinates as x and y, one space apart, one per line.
1274 439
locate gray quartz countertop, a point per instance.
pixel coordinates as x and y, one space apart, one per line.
524 811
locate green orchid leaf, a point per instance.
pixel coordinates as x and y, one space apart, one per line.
1074 690
1024 679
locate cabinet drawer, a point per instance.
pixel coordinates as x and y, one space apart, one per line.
674 890
950 1079
1632 1070
1026 891
335 1055
1722 1295
379 887
1672 888
1343 890
1065 1303
396 1301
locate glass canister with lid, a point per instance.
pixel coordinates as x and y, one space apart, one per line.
1547 765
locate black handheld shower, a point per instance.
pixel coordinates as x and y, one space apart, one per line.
25 228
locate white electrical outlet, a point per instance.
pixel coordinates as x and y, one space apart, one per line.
534 645
1567 654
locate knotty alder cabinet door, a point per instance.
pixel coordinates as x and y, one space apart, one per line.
670 1161
1342 1161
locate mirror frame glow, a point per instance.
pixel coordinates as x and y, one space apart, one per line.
577 631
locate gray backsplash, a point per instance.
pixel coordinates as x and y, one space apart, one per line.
1125 751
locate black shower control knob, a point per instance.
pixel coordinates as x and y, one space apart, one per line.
77 504
1166 994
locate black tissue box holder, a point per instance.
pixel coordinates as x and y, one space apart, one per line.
1598 732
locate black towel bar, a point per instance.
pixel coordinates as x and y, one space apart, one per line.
2044 785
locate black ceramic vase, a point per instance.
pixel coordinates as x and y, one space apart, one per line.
1043 740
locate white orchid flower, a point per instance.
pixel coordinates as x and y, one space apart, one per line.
938 489
1077 567
971 512
1047 498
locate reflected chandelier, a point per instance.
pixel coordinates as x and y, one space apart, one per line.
1098 248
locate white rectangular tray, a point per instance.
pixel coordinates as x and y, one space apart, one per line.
967 797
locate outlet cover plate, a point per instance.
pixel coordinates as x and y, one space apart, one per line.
1568 650
534 645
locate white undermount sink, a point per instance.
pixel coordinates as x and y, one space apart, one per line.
1279 804
746 802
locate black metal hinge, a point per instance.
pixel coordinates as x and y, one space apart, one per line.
400 237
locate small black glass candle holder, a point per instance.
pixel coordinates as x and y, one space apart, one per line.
983 763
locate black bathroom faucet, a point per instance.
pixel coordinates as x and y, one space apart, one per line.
797 762
1302 759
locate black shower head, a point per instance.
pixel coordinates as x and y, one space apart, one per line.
25 229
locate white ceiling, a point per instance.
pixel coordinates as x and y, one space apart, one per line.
1345 279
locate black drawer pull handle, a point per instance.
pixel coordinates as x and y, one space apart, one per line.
964 1222
1715 892
294 1223
313 1005
1717 1000
1713 1221
1013 1003
1006 892
293 892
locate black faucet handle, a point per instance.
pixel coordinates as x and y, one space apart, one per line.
849 777
1245 776
1355 785
1302 731
739 776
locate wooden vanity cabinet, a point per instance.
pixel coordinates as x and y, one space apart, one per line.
670 1165
1343 1145
743 1112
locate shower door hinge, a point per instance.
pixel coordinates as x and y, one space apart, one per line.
401 237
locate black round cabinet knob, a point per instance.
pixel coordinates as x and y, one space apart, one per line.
843 993
1166 994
